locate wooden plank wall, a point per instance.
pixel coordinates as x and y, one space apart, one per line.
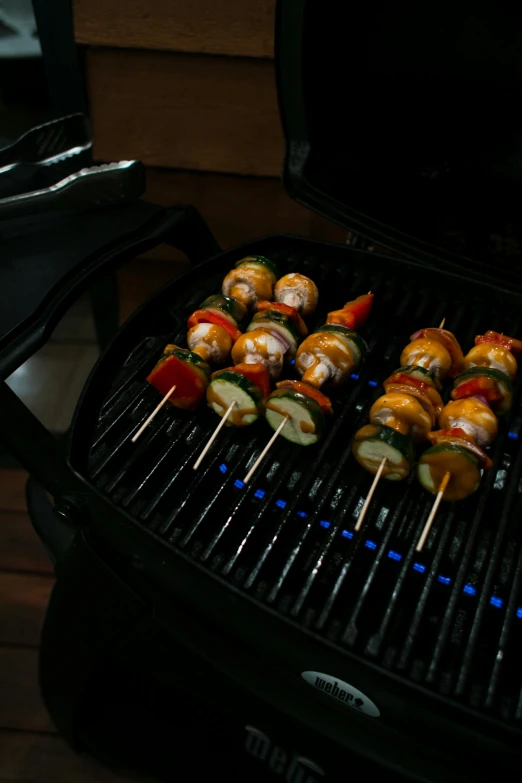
188 87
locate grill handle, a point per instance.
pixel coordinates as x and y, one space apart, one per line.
123 233
72 257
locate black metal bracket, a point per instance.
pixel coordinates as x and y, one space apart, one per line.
40 453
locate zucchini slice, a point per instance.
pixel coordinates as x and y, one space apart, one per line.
352 339
279 323
226 305
374 442
419 374
461 464
260 261
502 383
305 423
227 387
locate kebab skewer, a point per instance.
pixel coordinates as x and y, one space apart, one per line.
238 393
182 376
407 412
452 467
297 410
326 359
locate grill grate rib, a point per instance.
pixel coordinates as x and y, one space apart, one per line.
449 618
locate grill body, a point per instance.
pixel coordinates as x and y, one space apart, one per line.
260 584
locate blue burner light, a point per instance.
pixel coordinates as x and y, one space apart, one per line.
259 493
419 567
223 468
239 484
280 503
394 555
347 534
324 523
370 544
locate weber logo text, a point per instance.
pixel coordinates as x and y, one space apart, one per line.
342 692
334 690
290 766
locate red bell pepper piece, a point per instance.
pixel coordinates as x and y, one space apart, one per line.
481 386
342 317
360 308
513 345
291 312
305 388
207 317
400 377
257 373
171 371
353 314
452 432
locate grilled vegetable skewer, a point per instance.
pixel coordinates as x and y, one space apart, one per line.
482 390
181 375
408 410
272 335
410 405
297 409
469 422
325 357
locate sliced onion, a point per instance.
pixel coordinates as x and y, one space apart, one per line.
285 346
481 399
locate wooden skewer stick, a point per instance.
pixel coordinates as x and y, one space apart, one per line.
429 522
215 434
442 322
369 496
154 412
265 451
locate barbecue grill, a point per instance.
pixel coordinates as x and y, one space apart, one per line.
285 643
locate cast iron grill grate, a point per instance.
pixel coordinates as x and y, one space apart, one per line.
450 618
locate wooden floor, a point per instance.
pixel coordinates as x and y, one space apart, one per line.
30 749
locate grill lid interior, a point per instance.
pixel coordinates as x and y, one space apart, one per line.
402 123
449 619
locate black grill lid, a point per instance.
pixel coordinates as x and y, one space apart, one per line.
402 124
